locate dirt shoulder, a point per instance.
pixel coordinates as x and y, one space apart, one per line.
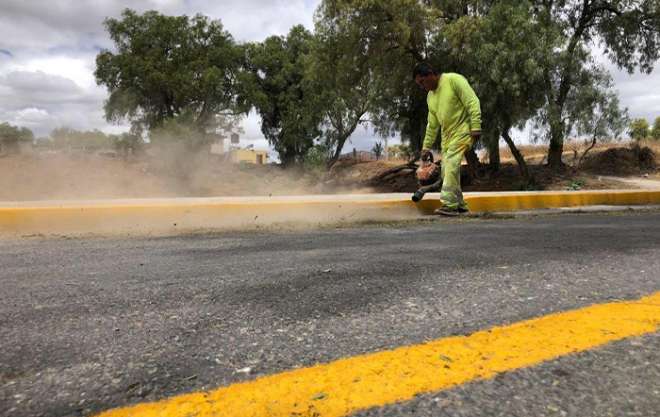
621 167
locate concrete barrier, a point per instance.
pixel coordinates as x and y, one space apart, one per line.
166 216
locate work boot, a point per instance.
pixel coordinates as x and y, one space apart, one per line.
445 211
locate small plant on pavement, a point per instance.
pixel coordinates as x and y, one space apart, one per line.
575 185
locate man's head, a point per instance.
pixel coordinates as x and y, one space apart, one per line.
426 77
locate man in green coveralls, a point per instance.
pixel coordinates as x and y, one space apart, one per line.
453 107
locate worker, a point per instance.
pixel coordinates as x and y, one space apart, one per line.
453 107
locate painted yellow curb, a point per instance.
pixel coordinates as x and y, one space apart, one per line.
489 202
345 386
185 214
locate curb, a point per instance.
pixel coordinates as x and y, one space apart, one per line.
167 216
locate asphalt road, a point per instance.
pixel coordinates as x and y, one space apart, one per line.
94 323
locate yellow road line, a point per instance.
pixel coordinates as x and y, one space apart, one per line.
345 386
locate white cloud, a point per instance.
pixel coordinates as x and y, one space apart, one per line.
44 25
43 101
79 70
639 92
30 117
255 20
40 85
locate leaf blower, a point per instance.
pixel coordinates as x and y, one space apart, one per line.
428 176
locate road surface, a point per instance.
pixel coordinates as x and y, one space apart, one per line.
90 324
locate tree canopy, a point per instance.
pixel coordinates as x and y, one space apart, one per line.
655 132
339 70
639 129
528 61
11 136
282 95
510 86
629 32
164 67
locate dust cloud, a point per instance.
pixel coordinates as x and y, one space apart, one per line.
163 172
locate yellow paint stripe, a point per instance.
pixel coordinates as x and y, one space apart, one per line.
345 386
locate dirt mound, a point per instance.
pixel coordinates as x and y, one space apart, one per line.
621 161
352 171
380 176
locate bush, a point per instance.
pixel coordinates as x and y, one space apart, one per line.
639 129
316 158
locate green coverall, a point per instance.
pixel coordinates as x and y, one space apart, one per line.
455 108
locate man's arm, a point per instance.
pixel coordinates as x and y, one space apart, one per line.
471 102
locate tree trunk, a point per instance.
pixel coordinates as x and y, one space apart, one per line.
584 154
416 135
288 157
556 148
522 164
417 117
473 162
493 144
337 153
343 134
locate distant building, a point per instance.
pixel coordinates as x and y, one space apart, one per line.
229 149
248 156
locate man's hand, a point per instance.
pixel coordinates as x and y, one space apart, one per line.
476 134
426 155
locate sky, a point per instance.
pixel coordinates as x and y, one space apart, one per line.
48 50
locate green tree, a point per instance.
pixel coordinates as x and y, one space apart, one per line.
639 129
377 149
339 70
165 67
522 57
655 132
509 94
399 34
628 30
395 35
595 114
316 158
12 136
179 131
127 144
285 99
